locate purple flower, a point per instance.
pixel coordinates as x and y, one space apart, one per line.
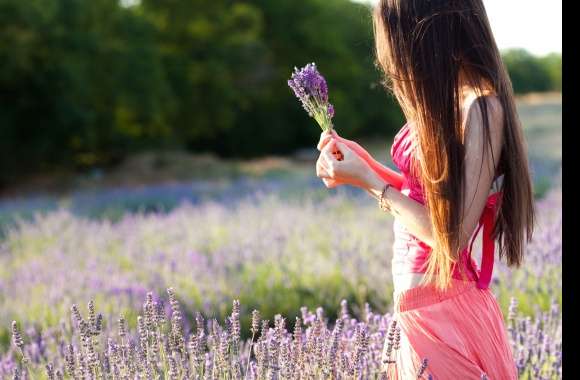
310 88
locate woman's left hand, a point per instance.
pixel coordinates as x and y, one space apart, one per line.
351 170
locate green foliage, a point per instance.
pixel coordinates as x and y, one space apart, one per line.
82 84
529 73
553 65
85 83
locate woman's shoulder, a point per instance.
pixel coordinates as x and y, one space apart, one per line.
474 98
473 109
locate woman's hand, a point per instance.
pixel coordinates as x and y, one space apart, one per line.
351 169
387 174
325 137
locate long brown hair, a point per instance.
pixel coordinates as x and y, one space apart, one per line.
423 47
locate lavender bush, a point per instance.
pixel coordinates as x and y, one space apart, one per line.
209 250
161 347
539 280
311 89
311 251
537 343
288 256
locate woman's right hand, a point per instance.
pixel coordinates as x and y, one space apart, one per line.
325 137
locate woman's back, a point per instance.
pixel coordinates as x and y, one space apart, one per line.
410 254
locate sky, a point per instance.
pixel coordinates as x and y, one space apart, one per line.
535 25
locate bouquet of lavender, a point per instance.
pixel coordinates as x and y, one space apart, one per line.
310 87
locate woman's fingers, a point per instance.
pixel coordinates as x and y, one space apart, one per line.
324 138
326 163
342 148
330 183
322 142
328 160
321 171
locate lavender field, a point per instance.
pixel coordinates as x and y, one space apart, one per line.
286 247
272 255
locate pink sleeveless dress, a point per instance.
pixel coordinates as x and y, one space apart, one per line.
460 331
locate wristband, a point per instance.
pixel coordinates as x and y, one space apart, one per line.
383 203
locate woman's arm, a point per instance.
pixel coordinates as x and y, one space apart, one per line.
411 213
386 173
480 166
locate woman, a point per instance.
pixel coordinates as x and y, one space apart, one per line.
462 142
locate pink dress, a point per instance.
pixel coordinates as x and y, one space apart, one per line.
460 331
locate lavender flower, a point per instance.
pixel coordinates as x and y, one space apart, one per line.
255 322
334 343
200 326
98 324
397 338
388 346
92 317
422 368
122 327
50 371
16 337
149 310
349 349
69 360
236 329
310 87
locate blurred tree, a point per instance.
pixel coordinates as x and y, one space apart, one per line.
80 85
553 64
216 63
337 35
85 83
526 71
229 63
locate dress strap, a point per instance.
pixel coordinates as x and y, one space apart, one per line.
486 221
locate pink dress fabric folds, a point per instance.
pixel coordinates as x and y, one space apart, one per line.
460 331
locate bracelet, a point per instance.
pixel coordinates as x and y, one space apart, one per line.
383 203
